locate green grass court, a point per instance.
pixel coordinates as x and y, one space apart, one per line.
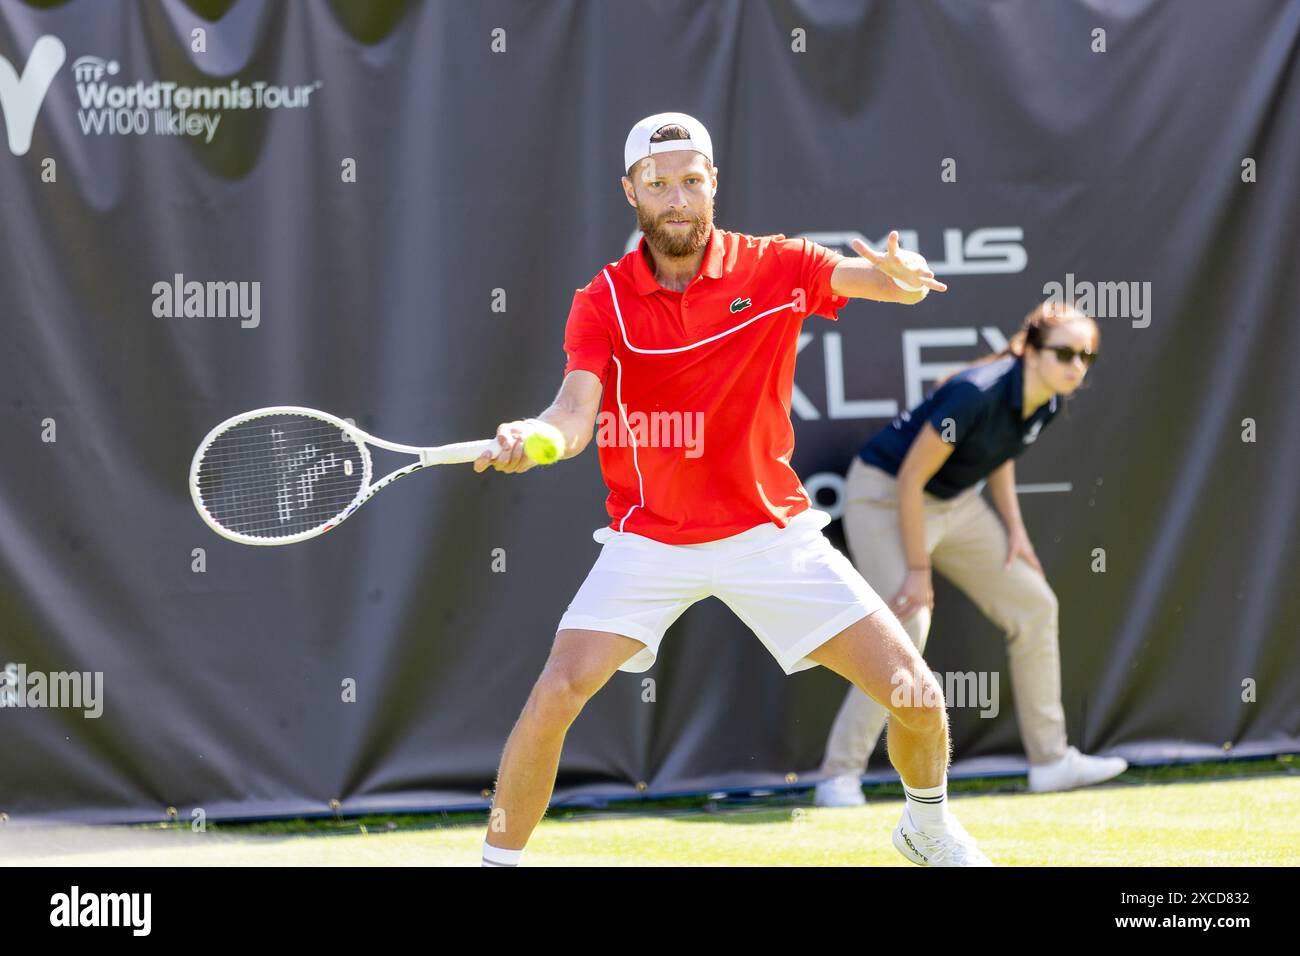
1235 814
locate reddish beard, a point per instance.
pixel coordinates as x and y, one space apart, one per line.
674 242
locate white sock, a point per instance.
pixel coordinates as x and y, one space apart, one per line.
498 856
928 806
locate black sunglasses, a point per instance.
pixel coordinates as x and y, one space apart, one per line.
1065 355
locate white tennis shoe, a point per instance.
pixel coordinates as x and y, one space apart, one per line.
951 846
1074 770
842 791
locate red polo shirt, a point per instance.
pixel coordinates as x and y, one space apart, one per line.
694 432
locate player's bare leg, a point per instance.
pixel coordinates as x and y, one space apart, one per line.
581 662
879 658
876 655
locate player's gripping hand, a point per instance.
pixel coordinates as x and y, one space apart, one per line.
511 459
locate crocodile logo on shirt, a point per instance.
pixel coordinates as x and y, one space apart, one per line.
740 305
1032 434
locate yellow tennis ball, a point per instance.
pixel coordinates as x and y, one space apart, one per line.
544 444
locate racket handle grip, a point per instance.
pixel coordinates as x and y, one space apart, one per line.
470 450
460 452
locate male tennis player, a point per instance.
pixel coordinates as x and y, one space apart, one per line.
704 323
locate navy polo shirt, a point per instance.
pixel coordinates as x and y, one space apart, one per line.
985 404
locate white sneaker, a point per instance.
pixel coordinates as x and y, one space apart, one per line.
951 846
1074 770
841 791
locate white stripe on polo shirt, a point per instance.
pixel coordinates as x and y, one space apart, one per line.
618 386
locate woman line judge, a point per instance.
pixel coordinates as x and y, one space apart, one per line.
913 506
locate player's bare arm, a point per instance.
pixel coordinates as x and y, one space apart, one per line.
872 276
573 412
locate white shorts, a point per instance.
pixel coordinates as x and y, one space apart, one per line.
790 586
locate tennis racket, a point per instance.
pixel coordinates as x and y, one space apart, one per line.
284 474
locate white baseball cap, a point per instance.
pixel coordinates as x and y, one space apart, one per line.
638 144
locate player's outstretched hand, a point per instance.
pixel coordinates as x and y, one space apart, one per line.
904 265
511 459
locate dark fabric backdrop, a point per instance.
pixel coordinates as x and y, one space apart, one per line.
480 170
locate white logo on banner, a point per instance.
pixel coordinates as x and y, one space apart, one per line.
991 250
109 106
88 69
21 96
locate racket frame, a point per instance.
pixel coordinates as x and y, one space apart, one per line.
433 455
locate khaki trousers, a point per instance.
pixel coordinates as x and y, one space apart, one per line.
968 545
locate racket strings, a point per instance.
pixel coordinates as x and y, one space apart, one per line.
280 475
266 504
